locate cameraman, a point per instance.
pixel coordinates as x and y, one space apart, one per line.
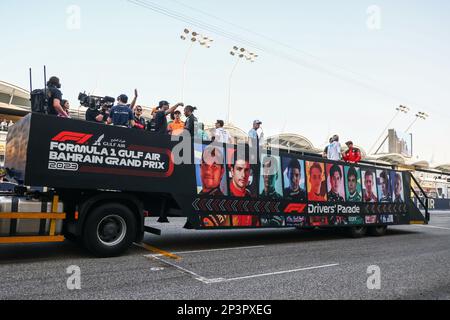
55 98
95 115
121 114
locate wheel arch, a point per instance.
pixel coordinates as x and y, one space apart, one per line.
130 201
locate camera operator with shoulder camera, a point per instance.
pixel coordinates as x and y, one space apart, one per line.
97 107
95 115
54 98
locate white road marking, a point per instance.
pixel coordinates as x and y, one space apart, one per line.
281 272
221 280
223 249
208 250
196 276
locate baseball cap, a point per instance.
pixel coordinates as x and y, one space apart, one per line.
257 122
163 103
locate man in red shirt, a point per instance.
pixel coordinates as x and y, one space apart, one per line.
352 155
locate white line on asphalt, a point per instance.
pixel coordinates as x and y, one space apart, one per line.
281 272
196 276
223 249
432 227
221 280
209 250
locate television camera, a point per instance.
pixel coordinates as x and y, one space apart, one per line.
95 102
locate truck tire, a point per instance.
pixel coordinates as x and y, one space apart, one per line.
109 230
378 231
357 232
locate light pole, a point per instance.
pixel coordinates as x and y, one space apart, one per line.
193 38
239 54
400 109
420 115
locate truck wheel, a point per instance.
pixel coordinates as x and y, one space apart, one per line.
378 231
109 230
357 232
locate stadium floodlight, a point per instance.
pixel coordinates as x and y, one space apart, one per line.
240 54
195 37
403 109
419 116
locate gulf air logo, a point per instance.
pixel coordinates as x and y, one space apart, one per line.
78 138
295 208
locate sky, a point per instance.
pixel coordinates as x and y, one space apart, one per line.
324 67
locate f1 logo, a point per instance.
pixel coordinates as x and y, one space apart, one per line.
78 138
295 208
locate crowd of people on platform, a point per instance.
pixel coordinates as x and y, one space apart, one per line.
334 151
130 115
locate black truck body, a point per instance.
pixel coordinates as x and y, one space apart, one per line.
93 166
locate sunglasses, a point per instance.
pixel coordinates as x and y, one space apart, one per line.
139 110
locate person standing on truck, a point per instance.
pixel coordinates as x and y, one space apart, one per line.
256 133
352 155
220 134
176 127
66 106
160 116
139 121
336 182
201 133
121 114
294 173
191 124
325 151
212 170
54 106
334 150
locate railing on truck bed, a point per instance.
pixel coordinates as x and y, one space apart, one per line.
39 227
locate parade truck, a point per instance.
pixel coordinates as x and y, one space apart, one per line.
96 185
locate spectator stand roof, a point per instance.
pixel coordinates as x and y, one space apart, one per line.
235 132
292 142
443 167
14 101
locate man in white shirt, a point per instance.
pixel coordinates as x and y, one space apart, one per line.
334 149
221 135
253 133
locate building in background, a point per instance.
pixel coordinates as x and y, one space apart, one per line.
14 105
400 143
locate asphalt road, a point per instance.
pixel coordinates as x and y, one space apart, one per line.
414 263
